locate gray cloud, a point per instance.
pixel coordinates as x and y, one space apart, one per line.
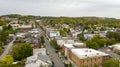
105 8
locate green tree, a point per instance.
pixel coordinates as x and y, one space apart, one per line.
92 44
1 50
70 65
22 51
6 61
114 35
42 40
96 42
66 30
102 28
9 27
111 41
81 37
55 45
111 63
63 33
3 37
95 65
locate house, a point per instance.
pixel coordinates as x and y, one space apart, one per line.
65 26
64 40
48 29
66 47
53 34
4 18
25 28
39 59
103 34
15 26
33 33
74 34
20 35
32 23
88 36
79 45
14 23
34 42
1 28
11 37
115 48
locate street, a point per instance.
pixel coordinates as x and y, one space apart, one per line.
7 49
54 56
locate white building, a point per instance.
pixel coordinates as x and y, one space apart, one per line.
53 34
39 59
115 47
20 35
65 26
86 52
74 35
25 26
64 40
15 26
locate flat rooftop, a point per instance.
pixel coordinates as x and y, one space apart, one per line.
86 52
69 45
116 46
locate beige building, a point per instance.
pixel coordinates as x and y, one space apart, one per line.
25 28
85 57
64 40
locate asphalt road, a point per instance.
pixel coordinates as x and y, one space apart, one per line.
7 49
54 56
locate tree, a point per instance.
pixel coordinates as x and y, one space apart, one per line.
22 51
63 33
9 27
66 30
81 37
42 40
114 35
1 50
92 44
96 42
70 65
3 37
55 45
95 65
111 63
111 41
6 61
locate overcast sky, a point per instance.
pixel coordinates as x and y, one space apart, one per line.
73 8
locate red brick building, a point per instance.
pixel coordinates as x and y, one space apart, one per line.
85 57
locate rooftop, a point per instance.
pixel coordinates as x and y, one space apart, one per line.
39 51
116 46
86 52
25 26
65 38
38 59
78 44
69 45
